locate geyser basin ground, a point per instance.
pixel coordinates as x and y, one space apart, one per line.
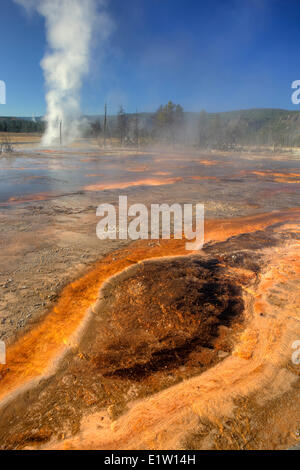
171 337
49 242
180 334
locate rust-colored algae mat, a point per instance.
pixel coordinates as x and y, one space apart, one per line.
34 353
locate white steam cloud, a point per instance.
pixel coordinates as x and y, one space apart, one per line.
70 25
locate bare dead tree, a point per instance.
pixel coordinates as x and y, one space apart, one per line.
136 129
105 125
6 145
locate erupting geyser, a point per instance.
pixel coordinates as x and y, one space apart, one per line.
69 26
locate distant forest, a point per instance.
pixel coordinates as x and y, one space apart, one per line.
12 124
170 124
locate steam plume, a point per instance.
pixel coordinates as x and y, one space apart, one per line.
69 28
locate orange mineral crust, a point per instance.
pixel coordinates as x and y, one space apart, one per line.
247 401
34 354
129 184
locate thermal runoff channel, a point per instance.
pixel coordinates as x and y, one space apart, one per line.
149 227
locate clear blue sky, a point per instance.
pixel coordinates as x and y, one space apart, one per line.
214 55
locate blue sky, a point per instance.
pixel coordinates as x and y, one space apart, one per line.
217 56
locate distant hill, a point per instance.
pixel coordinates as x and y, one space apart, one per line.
21 124
274 126
277 127
252 126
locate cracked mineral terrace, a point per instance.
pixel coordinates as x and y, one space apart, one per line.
142 345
